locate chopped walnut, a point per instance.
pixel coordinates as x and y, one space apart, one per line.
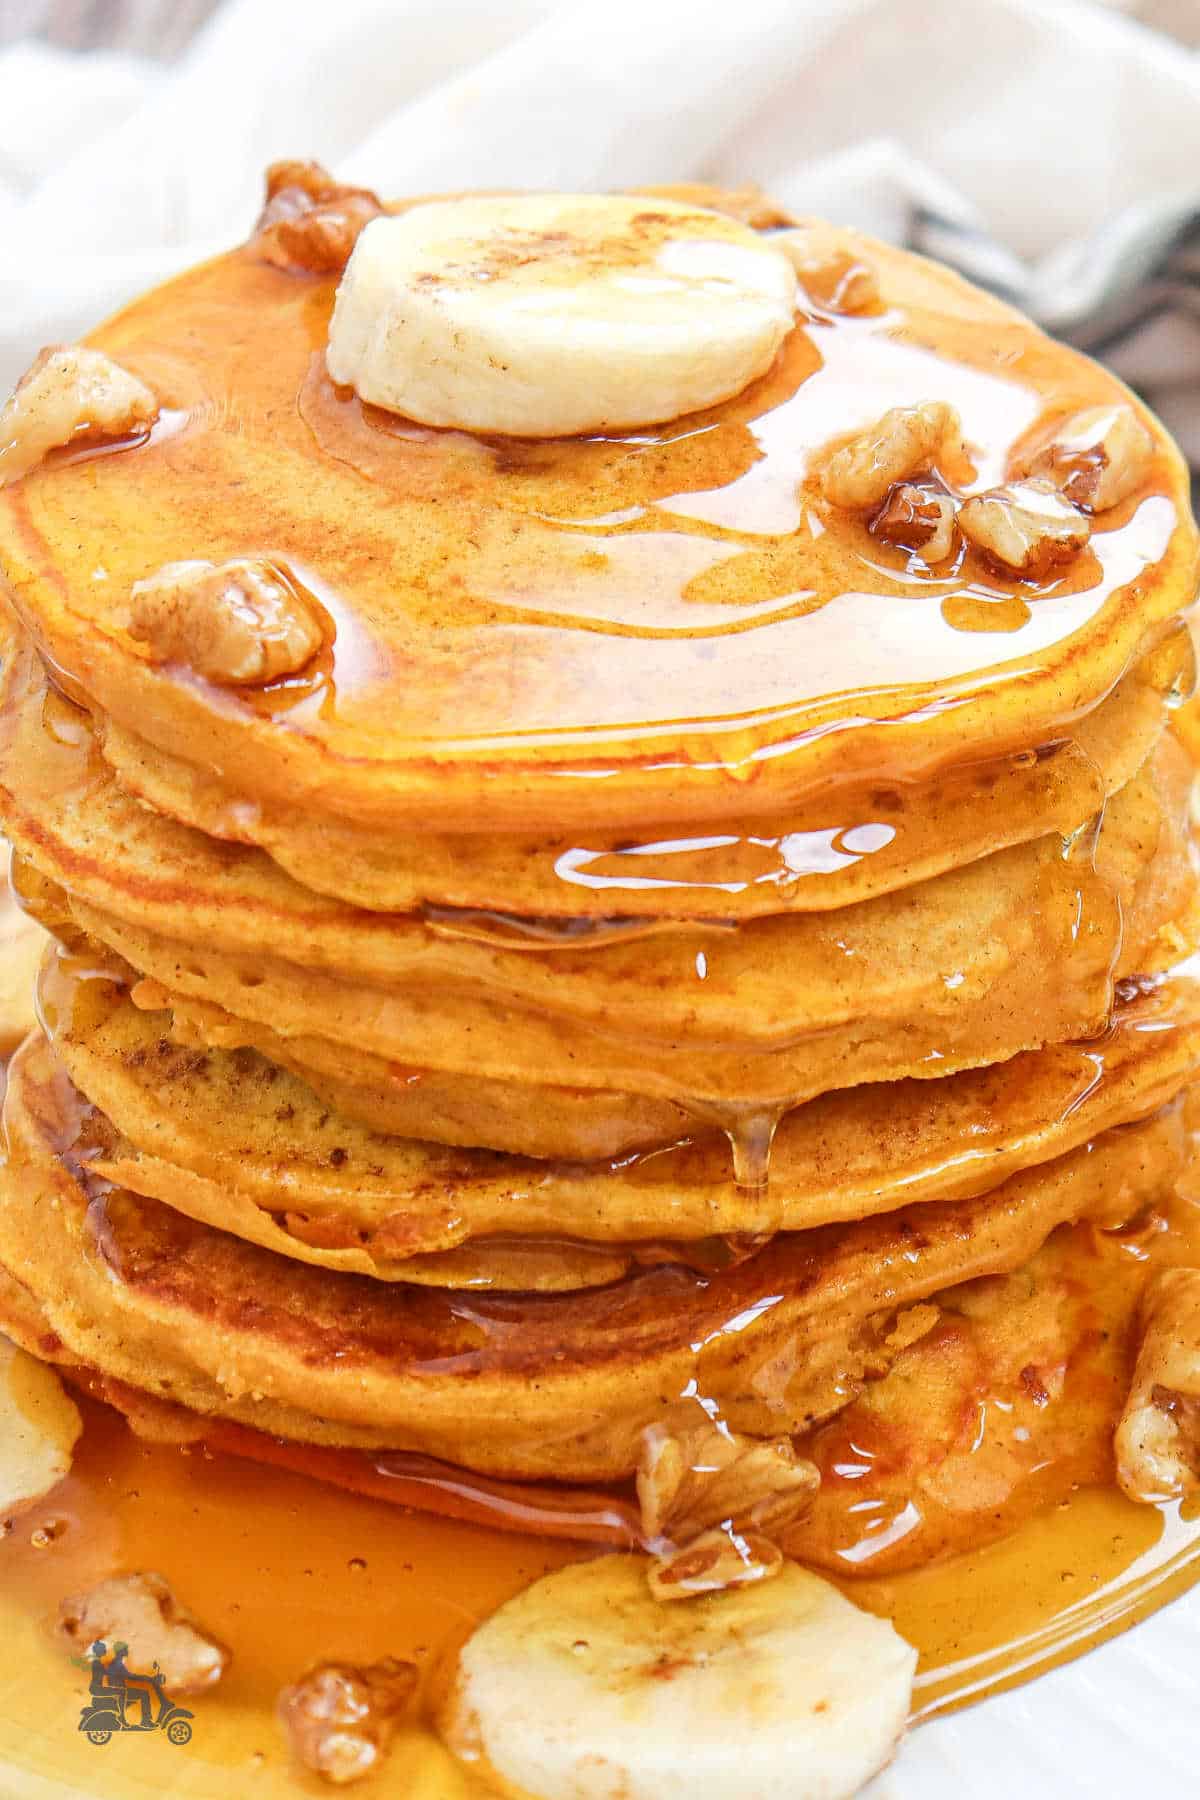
310 222
241 623
1158 1438
908 440
918 516
716 1559
39 1427
701 1475
69 393
340 1719
1025 529
141 1611
831 274
1096 457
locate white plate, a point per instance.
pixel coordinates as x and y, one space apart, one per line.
1121 1721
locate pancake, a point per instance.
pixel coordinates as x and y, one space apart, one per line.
235 1142
928 980
1006 1407
667 625
407 1101
856 844
556 1386
119 861
1054 1341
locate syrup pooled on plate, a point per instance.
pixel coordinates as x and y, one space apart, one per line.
290 1572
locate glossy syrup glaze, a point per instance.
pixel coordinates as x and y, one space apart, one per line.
670 627
862 840
674 613
777 1339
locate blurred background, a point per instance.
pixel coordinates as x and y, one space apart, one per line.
1049 148
162 28
158 28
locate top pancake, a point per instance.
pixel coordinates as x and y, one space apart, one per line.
654 626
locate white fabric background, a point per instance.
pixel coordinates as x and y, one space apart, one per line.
1055 126
1043 121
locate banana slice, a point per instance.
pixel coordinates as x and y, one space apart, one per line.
585 1688
552 315
22 941
39 1426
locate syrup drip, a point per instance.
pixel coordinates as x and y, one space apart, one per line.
601 1519
751 1134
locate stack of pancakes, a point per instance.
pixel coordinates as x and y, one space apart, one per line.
667 940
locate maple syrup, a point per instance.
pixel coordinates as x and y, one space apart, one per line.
661 576
289 1572
652 626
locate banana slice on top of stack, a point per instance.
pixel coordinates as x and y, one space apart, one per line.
555 315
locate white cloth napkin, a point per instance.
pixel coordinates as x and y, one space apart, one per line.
1050 147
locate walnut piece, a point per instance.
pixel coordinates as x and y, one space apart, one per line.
908 440
1158 1438
241 623
1096 457
39 1428
918 516
140 1611
716 1559
340 1719
69 393
1026 528
310 222
701 1475
832 274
